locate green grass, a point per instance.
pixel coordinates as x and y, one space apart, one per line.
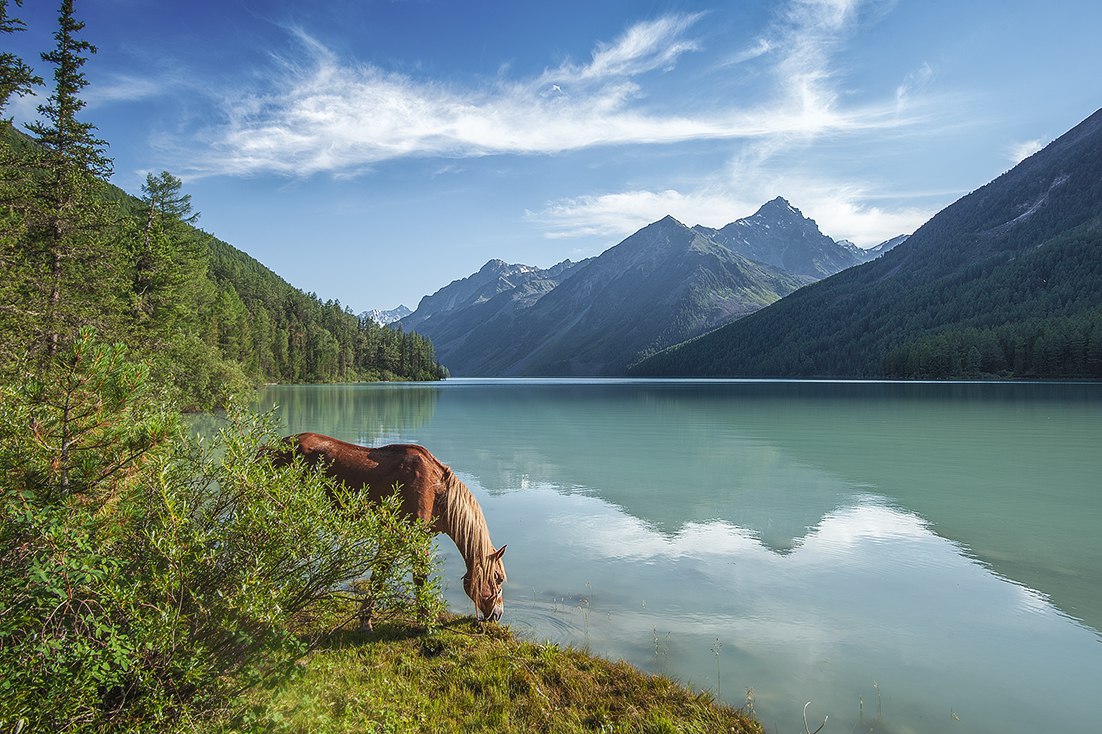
466 678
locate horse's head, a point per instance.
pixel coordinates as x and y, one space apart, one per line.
484 582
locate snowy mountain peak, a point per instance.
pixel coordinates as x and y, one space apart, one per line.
382 318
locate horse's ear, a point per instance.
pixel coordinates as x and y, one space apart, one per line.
500 552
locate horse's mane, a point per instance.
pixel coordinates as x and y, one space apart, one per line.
463 520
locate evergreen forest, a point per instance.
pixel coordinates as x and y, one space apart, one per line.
76 251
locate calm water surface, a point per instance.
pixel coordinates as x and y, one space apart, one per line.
909 557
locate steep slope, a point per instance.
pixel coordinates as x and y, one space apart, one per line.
496 276
1015 262
498 291
663 284
778 234
885 246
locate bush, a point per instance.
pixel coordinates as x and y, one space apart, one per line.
147 578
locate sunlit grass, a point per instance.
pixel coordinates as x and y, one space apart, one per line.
465 678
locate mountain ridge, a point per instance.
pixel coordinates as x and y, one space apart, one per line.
1007 280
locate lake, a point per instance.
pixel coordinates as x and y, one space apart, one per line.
909 557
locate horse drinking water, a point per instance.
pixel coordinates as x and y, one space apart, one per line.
429 490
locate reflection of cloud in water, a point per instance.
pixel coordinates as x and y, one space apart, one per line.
868 593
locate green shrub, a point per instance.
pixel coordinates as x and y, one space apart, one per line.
147 578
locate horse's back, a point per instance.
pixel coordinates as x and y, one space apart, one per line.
410 468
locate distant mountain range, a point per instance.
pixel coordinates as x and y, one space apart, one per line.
1007 281
662 285
382 318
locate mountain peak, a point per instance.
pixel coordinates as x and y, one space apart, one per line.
668 221
778 206
494 265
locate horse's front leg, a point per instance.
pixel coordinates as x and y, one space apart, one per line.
374 593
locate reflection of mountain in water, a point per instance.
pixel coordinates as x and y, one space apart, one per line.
703 468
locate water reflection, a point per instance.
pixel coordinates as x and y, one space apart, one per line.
820 536
370 414
870 594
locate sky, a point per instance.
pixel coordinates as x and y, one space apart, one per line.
372 151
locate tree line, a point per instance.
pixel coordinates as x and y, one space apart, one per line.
76 251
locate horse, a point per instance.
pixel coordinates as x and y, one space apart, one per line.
429 490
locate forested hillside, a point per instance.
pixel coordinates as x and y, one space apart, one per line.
76 251
1005 282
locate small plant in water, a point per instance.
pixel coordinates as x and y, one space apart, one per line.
583 605
807 729
661 652
716 648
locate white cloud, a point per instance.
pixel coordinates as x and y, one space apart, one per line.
1018 152
644 47
616 215
127 88
915 81
326 115
842 211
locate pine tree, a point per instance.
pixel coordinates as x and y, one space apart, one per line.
68 242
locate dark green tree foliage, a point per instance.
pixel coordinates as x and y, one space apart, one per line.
69 241
76 251
60 133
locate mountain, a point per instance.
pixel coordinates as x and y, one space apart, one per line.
885 246
778 234
496 276
382 318
1005 281
665 283
464 314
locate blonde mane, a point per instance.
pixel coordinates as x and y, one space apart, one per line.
463 521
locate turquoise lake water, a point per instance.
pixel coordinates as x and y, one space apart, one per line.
909 557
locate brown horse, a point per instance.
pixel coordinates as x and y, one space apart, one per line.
429 490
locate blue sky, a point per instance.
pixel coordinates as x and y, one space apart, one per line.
372 151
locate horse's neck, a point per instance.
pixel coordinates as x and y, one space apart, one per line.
464 523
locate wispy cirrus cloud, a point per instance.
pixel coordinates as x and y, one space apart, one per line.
857 213
623 212
327 115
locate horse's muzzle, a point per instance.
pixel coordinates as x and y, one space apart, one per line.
495 613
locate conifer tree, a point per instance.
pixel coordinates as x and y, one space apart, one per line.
68 244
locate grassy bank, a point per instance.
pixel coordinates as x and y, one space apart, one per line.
464 678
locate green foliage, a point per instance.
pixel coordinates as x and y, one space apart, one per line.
66 139
148 578
1069 347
